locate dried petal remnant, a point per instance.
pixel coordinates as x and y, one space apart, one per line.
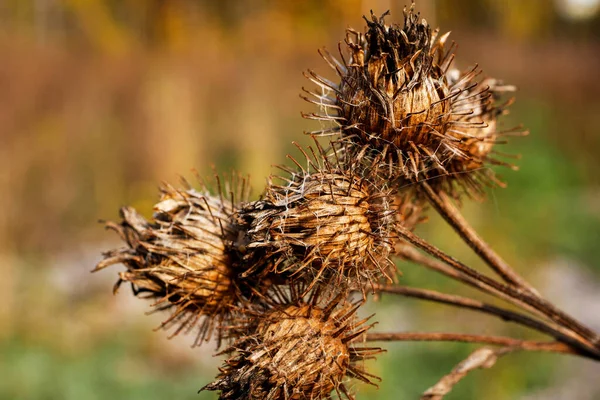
181 259
296 350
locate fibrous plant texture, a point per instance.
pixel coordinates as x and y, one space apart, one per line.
400 104
322 223
477 107
295 347
183 259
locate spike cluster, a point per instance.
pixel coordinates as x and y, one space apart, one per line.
400 105
477 108
185 259
323 228
299 347
275 276
322 225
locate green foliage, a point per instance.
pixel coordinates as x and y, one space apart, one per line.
107 372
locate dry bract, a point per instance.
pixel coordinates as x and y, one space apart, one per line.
400 106
295 350
181 259
326 223
479 105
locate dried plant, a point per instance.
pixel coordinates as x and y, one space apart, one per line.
185 259
276 276
322 223
400 104
295 346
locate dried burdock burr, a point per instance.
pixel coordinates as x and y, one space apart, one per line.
296 347
322 223
400 105
480 105
184 258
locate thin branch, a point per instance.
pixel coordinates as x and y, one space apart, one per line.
446 209
408 252
484 357
528 345
542 305
471 304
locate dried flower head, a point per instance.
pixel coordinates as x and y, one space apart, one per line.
324 222
472 106
399 106
295 348
182 259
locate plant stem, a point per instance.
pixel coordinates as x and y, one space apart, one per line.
409 253
535 302
443 205
528 345
568 336
471 304
483 357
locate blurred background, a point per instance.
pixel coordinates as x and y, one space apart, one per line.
101 100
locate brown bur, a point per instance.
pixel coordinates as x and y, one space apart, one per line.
295 350
478 108
401 107
323 224
182 258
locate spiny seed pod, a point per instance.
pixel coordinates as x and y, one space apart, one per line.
476 143
324 223
397 105
182 259
295 349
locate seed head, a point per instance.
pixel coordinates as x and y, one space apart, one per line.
477 108
182 259
295 349
399 104
323 222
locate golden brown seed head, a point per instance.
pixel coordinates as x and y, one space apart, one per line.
295 351
394 92
320 225
309 348
181 259
475 114
400 106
